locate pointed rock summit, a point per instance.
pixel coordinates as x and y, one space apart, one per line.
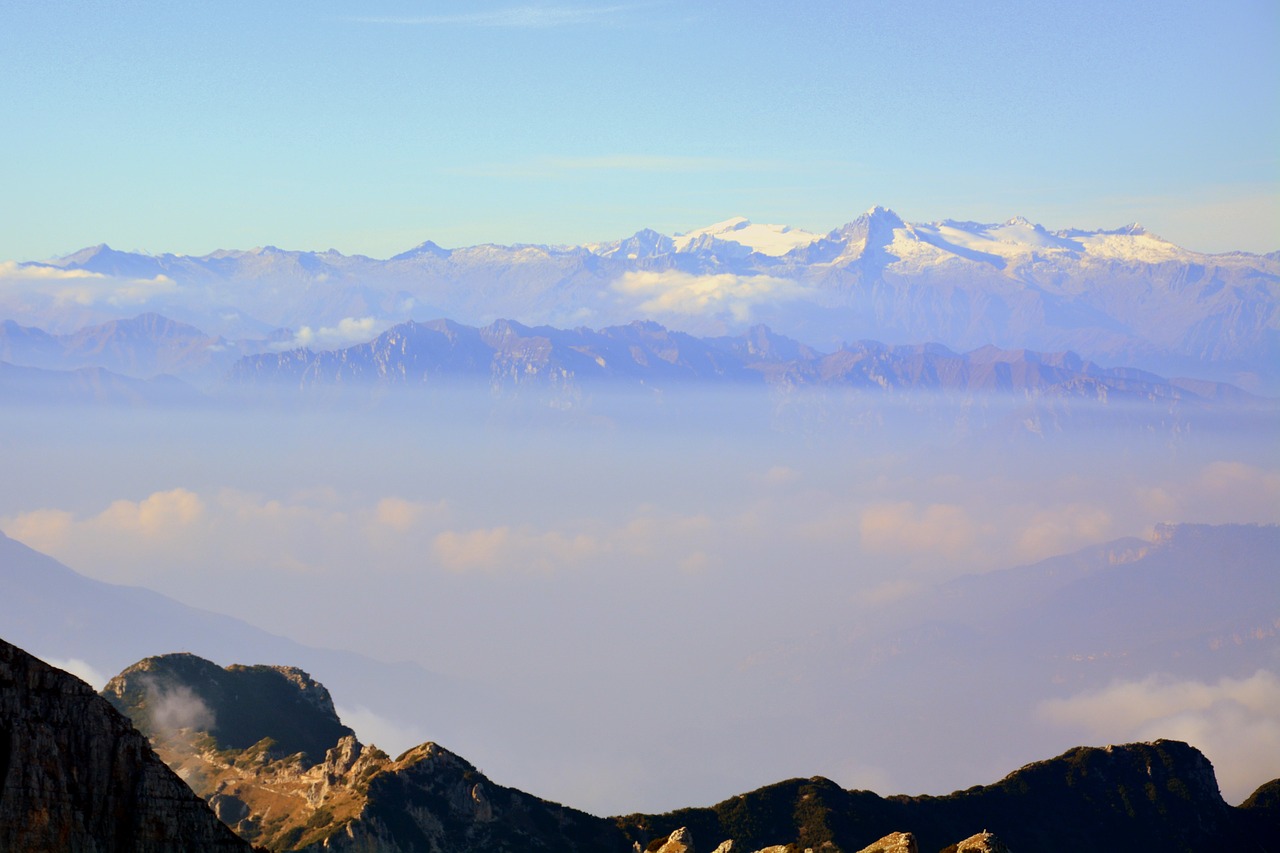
983 842
896 842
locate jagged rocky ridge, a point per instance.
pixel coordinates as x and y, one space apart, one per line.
619 373
76 775
248 740
1156 796
508 355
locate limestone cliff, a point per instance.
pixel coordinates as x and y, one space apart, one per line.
265 747
265 774
76 776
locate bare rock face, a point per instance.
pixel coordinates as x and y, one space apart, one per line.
265 747
680 841
262 744
75 775
238 706
897 842
983 842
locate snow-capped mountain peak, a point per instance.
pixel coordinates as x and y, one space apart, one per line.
773 240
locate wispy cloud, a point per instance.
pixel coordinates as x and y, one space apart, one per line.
81 670
674 293
23 283
556 167
1236 722
513 17
350 330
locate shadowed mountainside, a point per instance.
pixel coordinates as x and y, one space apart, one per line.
75 775
1155 796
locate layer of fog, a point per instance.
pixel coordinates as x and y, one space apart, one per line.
621 579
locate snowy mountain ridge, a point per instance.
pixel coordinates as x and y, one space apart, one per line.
1121 295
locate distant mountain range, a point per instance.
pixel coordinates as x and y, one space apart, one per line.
507 354
1121 296
129 362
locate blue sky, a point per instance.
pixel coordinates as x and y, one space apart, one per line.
370 127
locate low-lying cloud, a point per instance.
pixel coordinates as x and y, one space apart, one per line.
348 331
1234 721
904 528
28 286
375 730
724 295
81 670
174 708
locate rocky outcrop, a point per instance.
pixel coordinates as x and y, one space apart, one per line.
983 842
431 799
76 776
894 842
679 841
237 706
249 739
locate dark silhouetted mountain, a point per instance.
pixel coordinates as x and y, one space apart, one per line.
1159 796
76 776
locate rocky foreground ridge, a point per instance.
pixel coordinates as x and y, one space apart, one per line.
75 775
286 796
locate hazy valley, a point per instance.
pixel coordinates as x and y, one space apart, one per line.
904 507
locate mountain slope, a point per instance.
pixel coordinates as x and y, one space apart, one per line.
266 748
62 615
90 385
1156 796
74 775
139 347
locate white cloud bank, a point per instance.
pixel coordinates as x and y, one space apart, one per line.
348 330
81 670
21 286
1235 722
673 292
375 730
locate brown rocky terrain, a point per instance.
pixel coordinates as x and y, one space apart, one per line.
264 774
